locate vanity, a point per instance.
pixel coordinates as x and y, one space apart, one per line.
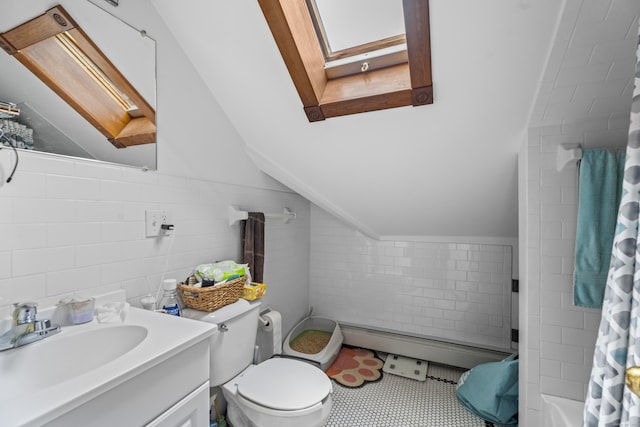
151 369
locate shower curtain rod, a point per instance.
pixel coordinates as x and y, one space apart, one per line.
236 215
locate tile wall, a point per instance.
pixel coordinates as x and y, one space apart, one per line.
558 338
589 73
448 291
584 98
77 227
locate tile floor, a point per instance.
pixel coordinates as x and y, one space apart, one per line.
402 402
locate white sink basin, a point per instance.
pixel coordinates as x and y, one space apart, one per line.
120 370
60 358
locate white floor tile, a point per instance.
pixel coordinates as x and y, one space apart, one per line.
399 401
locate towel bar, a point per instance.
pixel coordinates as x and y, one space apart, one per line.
572 153
236 215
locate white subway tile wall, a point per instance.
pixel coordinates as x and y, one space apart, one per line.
447 291
77 227
558 337
584 98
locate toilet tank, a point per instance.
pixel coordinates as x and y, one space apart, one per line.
233 342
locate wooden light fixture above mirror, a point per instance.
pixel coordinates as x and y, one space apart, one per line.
56 50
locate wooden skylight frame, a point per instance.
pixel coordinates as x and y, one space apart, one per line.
87 80
396 86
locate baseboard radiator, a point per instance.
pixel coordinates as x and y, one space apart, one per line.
419 348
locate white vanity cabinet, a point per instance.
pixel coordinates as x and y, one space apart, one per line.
151 369
174 393
192 411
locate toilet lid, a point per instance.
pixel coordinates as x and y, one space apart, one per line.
284 384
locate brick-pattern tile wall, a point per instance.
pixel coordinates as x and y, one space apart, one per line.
451 291
558 338
74 227
584 98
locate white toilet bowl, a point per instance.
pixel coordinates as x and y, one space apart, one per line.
279 392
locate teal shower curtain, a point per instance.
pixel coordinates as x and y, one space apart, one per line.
609 402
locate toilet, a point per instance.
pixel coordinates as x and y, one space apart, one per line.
279 392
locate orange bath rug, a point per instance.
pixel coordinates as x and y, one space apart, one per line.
355 366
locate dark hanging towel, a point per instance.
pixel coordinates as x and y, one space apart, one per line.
253 242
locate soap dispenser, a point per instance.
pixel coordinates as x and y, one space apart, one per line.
169 300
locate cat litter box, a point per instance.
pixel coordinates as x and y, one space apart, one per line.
316 339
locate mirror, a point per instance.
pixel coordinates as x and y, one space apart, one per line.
57 127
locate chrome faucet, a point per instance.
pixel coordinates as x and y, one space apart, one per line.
24 312
26 328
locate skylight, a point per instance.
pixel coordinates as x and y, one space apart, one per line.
352 23
57 51
358 36
295 27
67 42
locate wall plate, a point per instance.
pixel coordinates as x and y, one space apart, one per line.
154 221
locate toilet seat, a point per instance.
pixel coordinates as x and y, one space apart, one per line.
284 384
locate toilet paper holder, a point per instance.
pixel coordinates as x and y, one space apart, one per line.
265 322
270 323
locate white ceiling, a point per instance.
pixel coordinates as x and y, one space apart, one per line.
448 169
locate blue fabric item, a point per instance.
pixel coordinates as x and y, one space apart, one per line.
490 391
600 188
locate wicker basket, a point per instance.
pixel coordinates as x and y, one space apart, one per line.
212 297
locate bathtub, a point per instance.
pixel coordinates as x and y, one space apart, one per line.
560 411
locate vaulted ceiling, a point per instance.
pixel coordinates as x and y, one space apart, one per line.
447 169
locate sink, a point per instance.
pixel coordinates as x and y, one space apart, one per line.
60 358
120 370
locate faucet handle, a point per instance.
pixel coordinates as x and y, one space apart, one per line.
24 312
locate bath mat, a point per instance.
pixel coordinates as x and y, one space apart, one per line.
406 367
355 366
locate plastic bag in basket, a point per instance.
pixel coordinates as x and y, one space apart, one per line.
221 271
